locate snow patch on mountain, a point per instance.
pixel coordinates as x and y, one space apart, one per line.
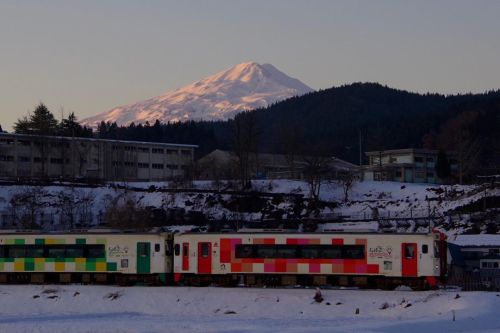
221 96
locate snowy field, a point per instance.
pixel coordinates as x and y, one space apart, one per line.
108 309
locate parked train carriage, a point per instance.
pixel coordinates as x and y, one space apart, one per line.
85 257
376 260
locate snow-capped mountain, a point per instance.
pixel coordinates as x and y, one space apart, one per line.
218 97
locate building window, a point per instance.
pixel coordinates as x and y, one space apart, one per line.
172 166
157 150
398 174
186 152
419 159
6 158
23 158
143 149
56 161
430 159
157 166
129 164
117 163
143 165
172 152
430 174
39 160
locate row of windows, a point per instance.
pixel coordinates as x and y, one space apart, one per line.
52 251
153 150
300 251
489 264
158 166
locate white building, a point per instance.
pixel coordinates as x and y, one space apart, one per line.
35 157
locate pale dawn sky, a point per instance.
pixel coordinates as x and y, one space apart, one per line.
90 56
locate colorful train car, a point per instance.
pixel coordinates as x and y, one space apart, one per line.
365 259
104 257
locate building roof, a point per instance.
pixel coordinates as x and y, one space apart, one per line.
275 159
402 151
481 240
32 136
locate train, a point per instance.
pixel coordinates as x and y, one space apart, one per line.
250 258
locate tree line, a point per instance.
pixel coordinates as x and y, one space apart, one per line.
340 121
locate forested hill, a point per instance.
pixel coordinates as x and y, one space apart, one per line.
332 121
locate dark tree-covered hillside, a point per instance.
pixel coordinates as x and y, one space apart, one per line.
335 119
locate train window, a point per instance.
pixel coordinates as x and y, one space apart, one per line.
16 251
95 251
409 251
331 252
168 251
185 250
244 251
387 265
283 251
425 248
204 250
177 249
157 247
353 251
2 252
266 251
75 251
286 252
56 252
309 252
34 251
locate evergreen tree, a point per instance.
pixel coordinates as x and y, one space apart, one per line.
41 122
442 167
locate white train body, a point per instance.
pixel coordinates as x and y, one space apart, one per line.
343 254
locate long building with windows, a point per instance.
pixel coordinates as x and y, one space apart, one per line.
25 156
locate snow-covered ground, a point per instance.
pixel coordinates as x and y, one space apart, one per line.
108 309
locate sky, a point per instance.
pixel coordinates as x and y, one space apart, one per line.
90 56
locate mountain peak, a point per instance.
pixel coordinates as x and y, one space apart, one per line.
246 86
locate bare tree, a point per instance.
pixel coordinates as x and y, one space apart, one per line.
26 205
125 211
67 202
346 179
458 135
245 145
292 146
316 170
85 205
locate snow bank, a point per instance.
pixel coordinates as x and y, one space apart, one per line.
100 309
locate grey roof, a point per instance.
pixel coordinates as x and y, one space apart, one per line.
31 136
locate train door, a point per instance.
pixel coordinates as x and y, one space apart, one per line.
185 256
143 258
409 261
204 258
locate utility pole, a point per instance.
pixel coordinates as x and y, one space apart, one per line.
360 150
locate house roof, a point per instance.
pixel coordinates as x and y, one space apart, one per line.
275 159
481 240
32 136
401 151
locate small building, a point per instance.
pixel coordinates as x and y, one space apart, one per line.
478 257
404 165
222 164
24 156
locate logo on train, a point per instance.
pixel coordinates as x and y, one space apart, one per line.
117 251
380 251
